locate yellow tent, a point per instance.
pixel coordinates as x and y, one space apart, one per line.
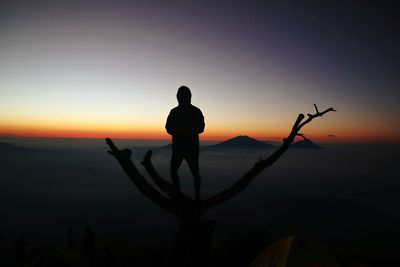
291 252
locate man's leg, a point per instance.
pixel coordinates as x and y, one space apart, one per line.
176 160
193 162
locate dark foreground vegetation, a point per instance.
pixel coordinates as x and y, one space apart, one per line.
238 250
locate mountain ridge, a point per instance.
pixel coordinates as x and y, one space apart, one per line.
305 144
241 142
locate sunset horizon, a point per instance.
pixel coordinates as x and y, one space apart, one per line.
72 69
329 138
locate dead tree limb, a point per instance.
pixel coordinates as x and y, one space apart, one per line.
262 164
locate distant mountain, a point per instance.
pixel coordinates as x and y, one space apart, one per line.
5 147
305 144
273 143
8 134
165 148
242 142
169 146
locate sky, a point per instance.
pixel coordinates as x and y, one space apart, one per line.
112 68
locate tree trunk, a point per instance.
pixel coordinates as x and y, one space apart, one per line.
192 244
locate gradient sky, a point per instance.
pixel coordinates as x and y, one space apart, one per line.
112 68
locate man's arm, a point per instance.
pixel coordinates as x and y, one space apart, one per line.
201 124
169 124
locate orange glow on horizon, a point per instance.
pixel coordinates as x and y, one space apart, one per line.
320 131
209 135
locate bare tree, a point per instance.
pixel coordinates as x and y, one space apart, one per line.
194 235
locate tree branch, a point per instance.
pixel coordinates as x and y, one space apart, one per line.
262 164
124 159
165 186
313 116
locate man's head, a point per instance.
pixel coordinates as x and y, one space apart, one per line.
184 95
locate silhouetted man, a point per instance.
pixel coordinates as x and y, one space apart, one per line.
185 122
